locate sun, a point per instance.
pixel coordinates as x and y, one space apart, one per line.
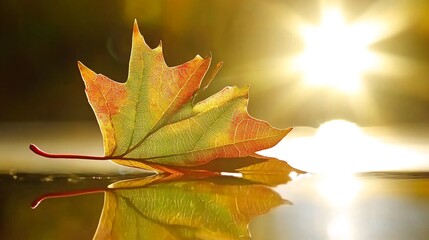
336 54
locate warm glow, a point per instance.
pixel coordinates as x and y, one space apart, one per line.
340 228
293 175
339 190
336 54
342 147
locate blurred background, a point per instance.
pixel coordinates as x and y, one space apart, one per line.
352 75
355 74
378 49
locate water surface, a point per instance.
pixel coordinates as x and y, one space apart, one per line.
366 206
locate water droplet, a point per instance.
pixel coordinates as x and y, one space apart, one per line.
48 178
72 180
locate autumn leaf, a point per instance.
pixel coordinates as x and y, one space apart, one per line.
255 167
151 121
213 208
188 206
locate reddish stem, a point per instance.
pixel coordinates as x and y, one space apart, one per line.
161 167
36 202
40 152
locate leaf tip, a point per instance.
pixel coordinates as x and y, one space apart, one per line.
136 30
158 49
85 72
288 130
212 74
80 65
244 90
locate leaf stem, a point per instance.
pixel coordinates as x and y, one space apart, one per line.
36 202
40 152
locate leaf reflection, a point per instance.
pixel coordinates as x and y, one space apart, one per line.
158 207
192 203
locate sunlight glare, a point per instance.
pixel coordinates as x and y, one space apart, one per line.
342 147
339 141
231 174
336 54
340 228
293 175
339 190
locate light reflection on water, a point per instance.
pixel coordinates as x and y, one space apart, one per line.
340 191
342 146
367 206
336 205
335 146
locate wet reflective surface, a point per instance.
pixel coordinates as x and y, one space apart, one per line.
334 205
159 207
366 206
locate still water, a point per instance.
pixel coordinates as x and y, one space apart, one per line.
365 206
120 203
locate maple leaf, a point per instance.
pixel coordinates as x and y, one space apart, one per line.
214 208
191 206
151 122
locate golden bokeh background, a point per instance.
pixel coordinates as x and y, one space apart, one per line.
302 59
257 41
